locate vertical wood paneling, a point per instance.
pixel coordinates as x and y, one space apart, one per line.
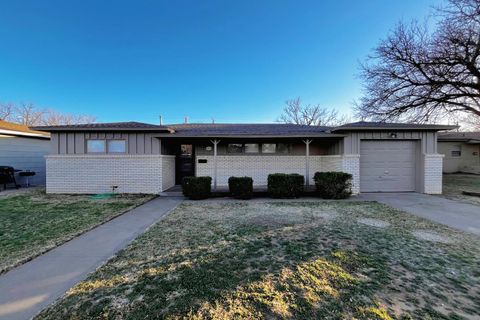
140 143
148 143
63 143
79 142
132 143
54 143
71 143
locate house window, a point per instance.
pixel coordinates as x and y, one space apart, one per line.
234 148
282 148
456 153
269 148
95 146
116 146
252 148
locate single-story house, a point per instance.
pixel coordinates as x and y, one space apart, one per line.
461 150
133 157
24 149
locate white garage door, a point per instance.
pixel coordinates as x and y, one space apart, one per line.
387 166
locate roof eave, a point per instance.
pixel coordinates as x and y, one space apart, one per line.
325 135
63 129
379 128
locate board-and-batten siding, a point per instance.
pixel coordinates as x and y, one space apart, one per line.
351 144
75 142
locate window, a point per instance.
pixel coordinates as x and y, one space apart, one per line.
235 148
269 148
456 151
95 146
252 148
116 146
282 148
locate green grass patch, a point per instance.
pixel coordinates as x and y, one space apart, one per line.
454 184
282 260
34 222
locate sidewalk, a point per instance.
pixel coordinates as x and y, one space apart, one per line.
27 289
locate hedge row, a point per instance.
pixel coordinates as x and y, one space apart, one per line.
329 185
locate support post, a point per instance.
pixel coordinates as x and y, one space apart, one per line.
307 161
215 143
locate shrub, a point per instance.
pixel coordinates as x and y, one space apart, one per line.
241 187
197 188
333 185
283 185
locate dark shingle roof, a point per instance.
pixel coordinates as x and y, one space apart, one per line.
364 125
245 129
242 129
459 136
116 126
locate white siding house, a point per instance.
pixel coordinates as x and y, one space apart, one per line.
24 149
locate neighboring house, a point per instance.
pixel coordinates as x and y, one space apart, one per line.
145 158
461 150
24 149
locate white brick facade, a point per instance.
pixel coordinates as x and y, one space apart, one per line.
168 172
98 173
432 173
351 164
259 167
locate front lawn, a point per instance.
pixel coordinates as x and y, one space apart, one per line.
34 222
301 260
454 184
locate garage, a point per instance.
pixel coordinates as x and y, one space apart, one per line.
387 165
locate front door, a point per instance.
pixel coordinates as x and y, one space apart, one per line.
185 165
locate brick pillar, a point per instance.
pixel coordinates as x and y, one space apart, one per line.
351 164
432 173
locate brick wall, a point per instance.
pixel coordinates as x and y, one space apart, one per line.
432 173
98 173
259 167
168 172
351 164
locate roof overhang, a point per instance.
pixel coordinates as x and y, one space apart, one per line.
226 136
427 127
24 134
103 129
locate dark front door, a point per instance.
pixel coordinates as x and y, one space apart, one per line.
185 165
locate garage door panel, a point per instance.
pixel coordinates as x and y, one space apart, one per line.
387 166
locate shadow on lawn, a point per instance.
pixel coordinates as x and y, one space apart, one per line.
308 269
259 275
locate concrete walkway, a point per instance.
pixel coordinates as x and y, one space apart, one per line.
459 215
27 289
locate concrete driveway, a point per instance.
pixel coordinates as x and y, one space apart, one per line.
459 215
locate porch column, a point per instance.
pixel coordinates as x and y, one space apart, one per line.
215 143
307 161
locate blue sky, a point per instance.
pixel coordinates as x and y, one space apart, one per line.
235 61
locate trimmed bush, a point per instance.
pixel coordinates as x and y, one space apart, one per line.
197 188
284 185
333 185
241 187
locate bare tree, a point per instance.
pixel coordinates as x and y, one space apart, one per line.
28 114
52 117
6 111
31 115
417 75
311 115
